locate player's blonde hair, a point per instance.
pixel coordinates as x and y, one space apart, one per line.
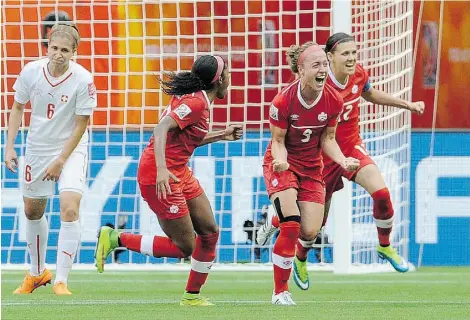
293 55
70 31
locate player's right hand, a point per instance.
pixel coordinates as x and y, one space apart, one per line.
11 159
163 182
280 166
351 164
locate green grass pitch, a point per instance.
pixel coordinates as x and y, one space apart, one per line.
429 293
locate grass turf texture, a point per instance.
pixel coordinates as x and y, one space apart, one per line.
430 293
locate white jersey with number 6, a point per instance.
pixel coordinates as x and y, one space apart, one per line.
54 104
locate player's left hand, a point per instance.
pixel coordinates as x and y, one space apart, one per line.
417 107
53 170
350 164
233 132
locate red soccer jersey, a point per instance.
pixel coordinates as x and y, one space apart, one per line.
191 112
347 132
304 123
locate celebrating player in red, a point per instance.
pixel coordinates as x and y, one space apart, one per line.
302 122
352 82
62 96
167 184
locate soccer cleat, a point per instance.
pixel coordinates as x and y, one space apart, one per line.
107 242
283 298
301 277
31 283
267 230
60 289
389 253
194 299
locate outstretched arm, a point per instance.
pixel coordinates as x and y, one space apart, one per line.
332 150
232 133
383 98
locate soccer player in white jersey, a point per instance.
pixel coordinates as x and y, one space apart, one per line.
62 96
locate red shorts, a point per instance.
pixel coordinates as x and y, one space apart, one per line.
333 173
174 206
309 188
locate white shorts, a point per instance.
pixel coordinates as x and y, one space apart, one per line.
72 178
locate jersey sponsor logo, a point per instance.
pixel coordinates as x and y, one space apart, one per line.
174 209
294 117
274 112
91 90
322 116
64 98
182 111
354 89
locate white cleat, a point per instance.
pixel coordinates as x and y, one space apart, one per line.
283 298
267 230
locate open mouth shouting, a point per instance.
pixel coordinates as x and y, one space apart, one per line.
320 80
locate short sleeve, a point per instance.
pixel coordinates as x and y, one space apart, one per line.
21 87
367 85
333 120
278 112
188 112
86 98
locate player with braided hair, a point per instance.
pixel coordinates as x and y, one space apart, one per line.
168 185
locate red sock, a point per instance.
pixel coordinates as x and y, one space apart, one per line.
283 254
201 261
151 245
275 222
383 215
301 251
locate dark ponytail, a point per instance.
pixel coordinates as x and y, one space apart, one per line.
335 39
199 78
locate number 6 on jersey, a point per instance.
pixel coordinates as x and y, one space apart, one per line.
50 111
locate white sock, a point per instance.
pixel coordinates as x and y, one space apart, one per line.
37 232
67 246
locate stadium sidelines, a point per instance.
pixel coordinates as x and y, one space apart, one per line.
161 302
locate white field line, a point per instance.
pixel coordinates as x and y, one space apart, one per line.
355 282
241 302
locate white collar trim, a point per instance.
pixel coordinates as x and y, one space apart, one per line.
335 81
303 102
207 98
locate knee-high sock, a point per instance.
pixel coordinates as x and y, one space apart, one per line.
151 245
67 246
37 232
383 215
201 261
283 253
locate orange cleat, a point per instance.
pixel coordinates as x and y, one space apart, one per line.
31 283
60 289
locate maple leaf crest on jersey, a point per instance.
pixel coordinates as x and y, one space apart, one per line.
322 116
182 111
274 112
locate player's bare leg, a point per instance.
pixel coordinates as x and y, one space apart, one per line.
204 252
179 243
37 233
69 239
370 178
284 248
